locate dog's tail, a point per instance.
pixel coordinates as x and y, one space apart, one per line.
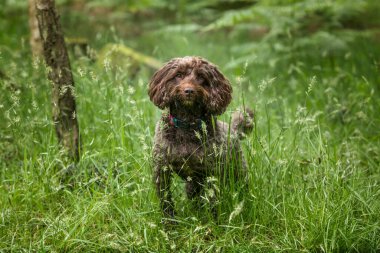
242 122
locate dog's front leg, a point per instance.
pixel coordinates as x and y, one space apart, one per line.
162 178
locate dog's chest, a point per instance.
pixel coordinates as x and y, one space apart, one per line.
188 151
192 153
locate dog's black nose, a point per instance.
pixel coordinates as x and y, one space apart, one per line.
189 91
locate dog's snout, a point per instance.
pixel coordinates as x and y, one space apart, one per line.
189 90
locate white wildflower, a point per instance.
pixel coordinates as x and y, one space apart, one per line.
107 64
311 85
81 72
131 90
236 211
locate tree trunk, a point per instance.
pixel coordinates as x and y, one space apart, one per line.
56 57
35 37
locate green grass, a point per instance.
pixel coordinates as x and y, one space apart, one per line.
313 157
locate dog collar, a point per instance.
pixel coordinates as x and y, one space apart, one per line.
178 123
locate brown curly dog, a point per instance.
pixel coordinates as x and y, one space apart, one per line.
189 140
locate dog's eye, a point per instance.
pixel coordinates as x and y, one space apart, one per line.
202 80
179 75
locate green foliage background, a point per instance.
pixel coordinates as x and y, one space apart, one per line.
309 69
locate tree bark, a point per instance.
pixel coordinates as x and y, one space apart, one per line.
35 37
60 75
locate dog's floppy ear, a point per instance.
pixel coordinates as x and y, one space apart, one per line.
158 90
220 89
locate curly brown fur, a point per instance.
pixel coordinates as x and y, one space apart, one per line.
189 140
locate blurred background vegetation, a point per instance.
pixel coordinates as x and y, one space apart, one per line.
280 44
309 68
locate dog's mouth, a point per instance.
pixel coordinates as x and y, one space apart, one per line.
188 96
188 100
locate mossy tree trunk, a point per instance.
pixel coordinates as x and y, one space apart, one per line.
35 37
56 57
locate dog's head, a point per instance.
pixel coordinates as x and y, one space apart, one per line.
190 81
